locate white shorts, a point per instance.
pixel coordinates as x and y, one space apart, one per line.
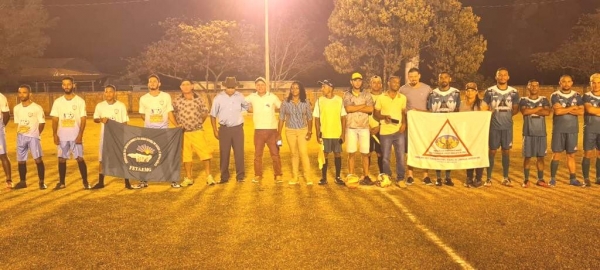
360 137
26 144
65 149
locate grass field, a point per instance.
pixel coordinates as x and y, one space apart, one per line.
247 226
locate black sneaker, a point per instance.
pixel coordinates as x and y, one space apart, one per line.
98 186
477 183
20 185
448 182
323 182
366 181
60 186
427 181
42 185
488 183
587 183
128 186
438 182
410 180
223 182
339 181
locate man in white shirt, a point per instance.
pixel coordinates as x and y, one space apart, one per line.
30 120
156 108
263 105
68 123
109 109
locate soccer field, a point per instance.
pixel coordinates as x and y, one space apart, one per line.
249 226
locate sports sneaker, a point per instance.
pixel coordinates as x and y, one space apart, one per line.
339 181
575 182
128 186
209 180
241 180
278 179
309 183
552 183
42 185
410 180
587 183
186 182
142 184
256 179
448 182
323 182
98 186
60 186
87 186
292 183
468 183
175 185
477 183
488 183
366 181
541 183
427 181
401 183
9 184
20 185
525 184
438 182
507 182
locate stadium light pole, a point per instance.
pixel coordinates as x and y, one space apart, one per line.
267 60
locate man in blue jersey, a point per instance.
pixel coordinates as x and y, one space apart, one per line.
568 106
591 129
534 108
444 99
503 101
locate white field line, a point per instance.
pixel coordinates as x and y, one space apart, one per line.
430 234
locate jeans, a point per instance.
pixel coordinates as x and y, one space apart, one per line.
397 141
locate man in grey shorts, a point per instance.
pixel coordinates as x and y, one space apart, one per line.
568 106
534 109
503 101
591 130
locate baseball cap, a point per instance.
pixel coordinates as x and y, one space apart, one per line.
356 75
326 82
471 85
260 79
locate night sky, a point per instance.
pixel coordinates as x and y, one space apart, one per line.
106 34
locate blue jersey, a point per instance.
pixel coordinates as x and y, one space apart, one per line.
566 123
501 102
440 101
591 123
534 125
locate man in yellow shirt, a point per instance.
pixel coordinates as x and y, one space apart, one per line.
390 110
330 127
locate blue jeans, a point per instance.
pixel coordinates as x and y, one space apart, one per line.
397 141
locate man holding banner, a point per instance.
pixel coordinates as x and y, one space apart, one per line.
390 109
156 109
444 99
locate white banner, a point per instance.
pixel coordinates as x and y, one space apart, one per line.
448 141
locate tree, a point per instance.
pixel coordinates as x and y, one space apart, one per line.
291 51
22 25
579 54
195 48
376 36
380 36
456 45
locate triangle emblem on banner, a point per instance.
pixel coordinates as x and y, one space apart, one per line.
447 143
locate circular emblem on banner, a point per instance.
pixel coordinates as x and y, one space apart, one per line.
141 154
446 142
